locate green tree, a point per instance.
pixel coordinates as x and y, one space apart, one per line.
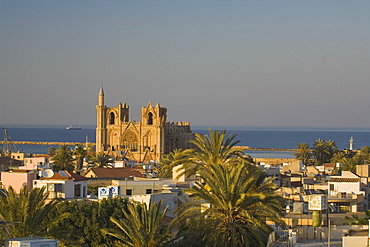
101 160
85 219
63 159
338 157
169 161
241 200
303 153
357 220
29 211
141 226
80 153
52 151
215 148
350 164
321 151
365 154
332 148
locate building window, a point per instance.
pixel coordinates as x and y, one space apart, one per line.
344 207
331 187
148 191
111 118
150 118
128 192
84 192
58 187
50 187
78 190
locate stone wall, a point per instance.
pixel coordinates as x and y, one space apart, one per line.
274 161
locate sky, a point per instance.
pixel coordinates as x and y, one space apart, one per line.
212 63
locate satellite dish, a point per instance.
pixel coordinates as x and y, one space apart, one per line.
170 205
181 198
48 173
63 174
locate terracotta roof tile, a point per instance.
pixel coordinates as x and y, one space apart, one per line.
70 176
123 172
345 180
329 165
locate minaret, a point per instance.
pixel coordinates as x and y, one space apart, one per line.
101 96
100 122
351 143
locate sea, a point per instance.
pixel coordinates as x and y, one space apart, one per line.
254 137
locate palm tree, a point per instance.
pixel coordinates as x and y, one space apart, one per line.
101 160
52 151
241 199
29 211
321 151
338 157
215 148
365 153
332 148
63 159
80 153
141 226
350 164
303 153
169 161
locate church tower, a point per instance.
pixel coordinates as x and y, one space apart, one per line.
144 141
101 122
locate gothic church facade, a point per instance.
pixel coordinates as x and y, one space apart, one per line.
143 141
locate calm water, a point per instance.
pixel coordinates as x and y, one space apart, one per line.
271 137
288 138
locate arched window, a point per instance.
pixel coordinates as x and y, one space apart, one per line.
129 141
150 118
111 118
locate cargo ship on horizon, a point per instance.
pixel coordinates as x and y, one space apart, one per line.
73 128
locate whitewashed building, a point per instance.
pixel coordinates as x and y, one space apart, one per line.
64 184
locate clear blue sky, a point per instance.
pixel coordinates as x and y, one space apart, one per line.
241 63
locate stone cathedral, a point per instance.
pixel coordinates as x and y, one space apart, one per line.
143 141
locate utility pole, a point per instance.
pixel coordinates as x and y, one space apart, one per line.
329 234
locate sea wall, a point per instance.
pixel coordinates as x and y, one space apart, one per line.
43 143
274 161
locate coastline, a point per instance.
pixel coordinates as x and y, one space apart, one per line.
264 142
